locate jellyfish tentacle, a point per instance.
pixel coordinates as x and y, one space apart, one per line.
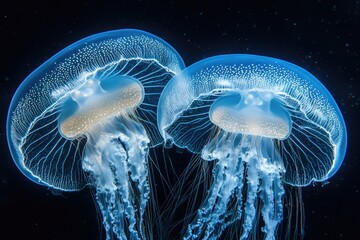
136 146
206 213
218 212
279 192
253 181
232 186
117 163
113 223
102 167
106 163
271 196
213 216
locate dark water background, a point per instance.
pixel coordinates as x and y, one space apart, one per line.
321 36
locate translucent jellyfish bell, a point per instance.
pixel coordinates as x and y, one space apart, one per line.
89 113
265 120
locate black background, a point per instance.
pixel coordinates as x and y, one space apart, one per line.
321 36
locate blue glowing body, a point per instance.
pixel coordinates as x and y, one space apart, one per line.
88 116
265 121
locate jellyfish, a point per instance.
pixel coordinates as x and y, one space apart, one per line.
87 116
264 122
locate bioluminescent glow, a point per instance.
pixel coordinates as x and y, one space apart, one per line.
265 122
88 116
